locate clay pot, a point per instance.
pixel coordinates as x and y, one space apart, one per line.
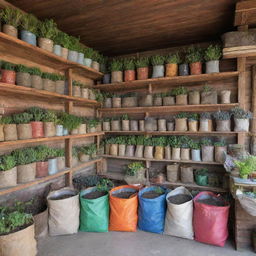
212 66
64 53
225 96
116 76
26 173
61 162
8 178
150 124
175 153
186 174
195 68
142 73
146 100
157 101
170 126
171 69
121 149
209 97
83 157
223 126
172 172
219 153
41 169
49 85
196 155
129 75
8 76
76 91
49 129
241 125
57 49
158 71
130 150
60 86
106 126
125 125
115 125
24 131
159 153
106 79
10 30
116 102
134 125
139 151
1 132
113 151
87 62
72 55
10 132
167 153
23 79
204 125
148 152
142 125
183 70
185 154
181 124
207 153
28 37
52 166
161 125
194 98
84 93
182 99
36 82
129 102
168 101
192 125
37 129
96 65
108 103
46 44
80 58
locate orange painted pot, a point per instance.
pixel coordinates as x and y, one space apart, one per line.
195 68
171 69
8 76
37 129
41 169
142 73
129 75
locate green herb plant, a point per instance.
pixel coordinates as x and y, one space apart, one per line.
157 60
134 167
213 52
11 16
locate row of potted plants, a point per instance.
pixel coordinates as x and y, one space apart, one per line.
47 36
168 147
184 63
177 96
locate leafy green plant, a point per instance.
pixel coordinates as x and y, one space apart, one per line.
206 116
179 91
50 116
88 53
6 120
206 142
222 115
185 142
47 29
42 153
142 62
157 60
125 117
37 113
181 115
159 141
22 68
62 39
7 162
133 168
59 152
25 156
92 122
194 54
96 56
98 96
173 58
35 71
129 64
22 118
8 66
174 141
116 65
207 88
239 113
221 143
195 145
29 23
140 140
246 166
104 185
131 140
69 121
158 190
11 16
46 75
193 117
213 52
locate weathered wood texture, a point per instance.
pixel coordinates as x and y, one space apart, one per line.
245 13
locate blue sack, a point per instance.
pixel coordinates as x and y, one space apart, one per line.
152 212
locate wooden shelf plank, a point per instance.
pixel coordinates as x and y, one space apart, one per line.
239 51
30 52
168 109
55 138
8 89
50 177
167 81
155 160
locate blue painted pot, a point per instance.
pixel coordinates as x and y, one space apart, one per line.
65 132
57 50
87 62
72 55
183 70
106 78
80 58
59 130
28 37
158 71
52 166
196 155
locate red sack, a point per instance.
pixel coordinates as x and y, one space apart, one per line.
210 222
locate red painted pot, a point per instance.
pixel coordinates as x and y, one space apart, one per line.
195 68
41 169
8 76
37 129
129 75
142 73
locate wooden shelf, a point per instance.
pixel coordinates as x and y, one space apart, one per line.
10 89
170 109
155 160
50 177
239 51
167 81
55 138
35 54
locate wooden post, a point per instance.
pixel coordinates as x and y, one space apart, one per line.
69 77
68 158
253 110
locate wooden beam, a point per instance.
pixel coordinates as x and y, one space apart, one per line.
245 13
241 66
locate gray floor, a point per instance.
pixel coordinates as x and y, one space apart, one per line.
130 244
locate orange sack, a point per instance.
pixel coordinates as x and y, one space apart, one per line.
123 212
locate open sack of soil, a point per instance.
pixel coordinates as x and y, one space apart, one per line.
64 211
94 212
210 218
152 209
123 208
179 215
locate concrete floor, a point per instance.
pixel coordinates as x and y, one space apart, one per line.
130 244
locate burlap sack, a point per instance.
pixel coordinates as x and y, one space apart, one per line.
26 172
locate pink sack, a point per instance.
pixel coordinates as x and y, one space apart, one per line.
210 221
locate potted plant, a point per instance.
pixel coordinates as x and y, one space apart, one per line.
49 120
48 82
58 42
195 151
161 124
220 151
64 40
116 67
194 97
201 177
167 150
76 89
242 119
36 122
212 55
113 148
92 95
170 124
103 64
130 146
183 67
225 96
92 125
116 101
96 58
26 164
73 48
8 73
142 125
148 148
181 94
106 124
23 77
185 142
60 156
222 121
88 55
47 31
29 26
157 99
129 69
24 129
125 122
209 95
129 100
159 143
8 171
146 100
171 66
142 64
52 161
157 62
175 143
194 57
59 84
84 91
74 124
11 18
246 166
115 124
10 128
139 146
135 173
82 128
121 141
181 122
207 150
168 99
84 154
36 79
205 122
80 56
42 154
193 122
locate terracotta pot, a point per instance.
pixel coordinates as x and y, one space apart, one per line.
129 102
181 124
182 99
194 98
96 65
116 102
41 169
161 123
171 69
225 96
167 153
172 172
60 86
170 126
139 151
46 44
185 154
175 153
64 53
148 152
85 93
186 174
209 97
116 76
10 132
157 101
37 82
129 75
195 68
49 129
49 85
142 73
193 126
8 76
8 178
125 125
223 126
76 91
23 79
24 131
113 151
121 149
142 125
10 30
183 70
115 125
219 154
37 129
146 100
134 125
207 153
61 162
168 101
1 132
159 153
26 173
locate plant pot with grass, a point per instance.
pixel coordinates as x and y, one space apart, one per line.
92 94
194 98
161 124
181 122
223 123
23 77
29 28
146 100
175 143
49 82
185 143
88 55
61 44
201 177
116 101
116 67
181 95
139 146
220 151
129 69
242 119
8 171
209 95
47 32
84 154
129 100
171 66
82 128
8 73
142 69
36 79
92 125
24 129
205 122
157 99
115 124
59 84
76 89
212 55
157 62
52 162
96 60
167 151
80 56
148 148
195 57
121 141
135 173
130 146
10 128
107 101
60 156
168 99
36 122
12 19
195 151
183 69
125 122
49 120
60 129
113 149
73 47
42 154
170 125
207 150
84 91
106 124
193 122
159 143
106 71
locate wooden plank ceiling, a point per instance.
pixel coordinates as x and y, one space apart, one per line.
117 27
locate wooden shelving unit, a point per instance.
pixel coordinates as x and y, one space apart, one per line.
239 51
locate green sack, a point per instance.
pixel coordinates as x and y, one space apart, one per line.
94 213
201 180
